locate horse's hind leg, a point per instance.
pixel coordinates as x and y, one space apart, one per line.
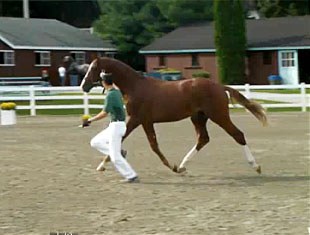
151 135
199 120
105 160
225 122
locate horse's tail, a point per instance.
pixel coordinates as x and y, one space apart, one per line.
255 108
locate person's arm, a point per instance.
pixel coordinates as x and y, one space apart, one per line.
99 116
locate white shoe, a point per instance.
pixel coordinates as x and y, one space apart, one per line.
100 167
131 180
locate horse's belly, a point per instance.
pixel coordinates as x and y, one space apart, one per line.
171 113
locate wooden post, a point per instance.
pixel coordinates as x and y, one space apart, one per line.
85 103
303 97
32 101
247 90
26 8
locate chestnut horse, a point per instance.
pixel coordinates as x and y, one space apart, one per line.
152 101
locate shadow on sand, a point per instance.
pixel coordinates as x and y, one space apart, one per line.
233 181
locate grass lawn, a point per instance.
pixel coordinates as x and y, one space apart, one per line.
282 91
100 101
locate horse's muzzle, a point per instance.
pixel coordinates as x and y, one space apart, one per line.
87 87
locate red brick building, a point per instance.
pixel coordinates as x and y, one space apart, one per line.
27 46
276 46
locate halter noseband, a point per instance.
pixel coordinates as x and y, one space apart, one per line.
101 79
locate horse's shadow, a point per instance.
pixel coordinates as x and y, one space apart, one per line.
259 180
232 181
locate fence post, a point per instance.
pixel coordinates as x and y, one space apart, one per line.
247 90
303 97
85 103
32 101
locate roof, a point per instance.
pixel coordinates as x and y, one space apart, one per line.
48 34
262 34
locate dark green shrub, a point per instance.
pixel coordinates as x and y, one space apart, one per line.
201 74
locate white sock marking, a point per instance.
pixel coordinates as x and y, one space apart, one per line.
188 156
100 166
249 156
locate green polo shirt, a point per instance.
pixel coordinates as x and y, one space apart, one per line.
114 105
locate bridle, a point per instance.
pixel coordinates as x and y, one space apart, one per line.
101 79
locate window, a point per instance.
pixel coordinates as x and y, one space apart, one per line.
42 58
78 56
195 60
7 58
288 59
106 54
267 57
162 60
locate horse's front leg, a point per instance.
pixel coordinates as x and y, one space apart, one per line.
151 135
132 124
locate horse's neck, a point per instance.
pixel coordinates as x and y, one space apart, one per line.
124 76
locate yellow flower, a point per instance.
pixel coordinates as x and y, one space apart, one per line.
8 106
86 117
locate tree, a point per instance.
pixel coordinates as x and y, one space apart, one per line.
230 40
133 24
130 25
277 8
181 12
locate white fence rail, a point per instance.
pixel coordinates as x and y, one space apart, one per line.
34 94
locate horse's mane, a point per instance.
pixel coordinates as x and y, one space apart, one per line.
126 68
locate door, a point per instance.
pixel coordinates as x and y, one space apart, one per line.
288 66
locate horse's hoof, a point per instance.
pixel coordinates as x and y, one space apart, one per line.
100 169
181 170
258 169
175 169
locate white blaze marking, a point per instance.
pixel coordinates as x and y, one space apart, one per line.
86 75
90 67
82 83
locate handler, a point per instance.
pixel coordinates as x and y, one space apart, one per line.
109 141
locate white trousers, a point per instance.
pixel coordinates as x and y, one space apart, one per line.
109 142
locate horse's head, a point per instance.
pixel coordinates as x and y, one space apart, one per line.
92 77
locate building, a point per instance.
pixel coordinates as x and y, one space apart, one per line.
28 46
276 46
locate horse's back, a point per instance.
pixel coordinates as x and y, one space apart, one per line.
207 96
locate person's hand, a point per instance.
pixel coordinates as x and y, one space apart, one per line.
86 123
85 120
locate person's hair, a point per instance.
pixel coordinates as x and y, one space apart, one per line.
108 79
